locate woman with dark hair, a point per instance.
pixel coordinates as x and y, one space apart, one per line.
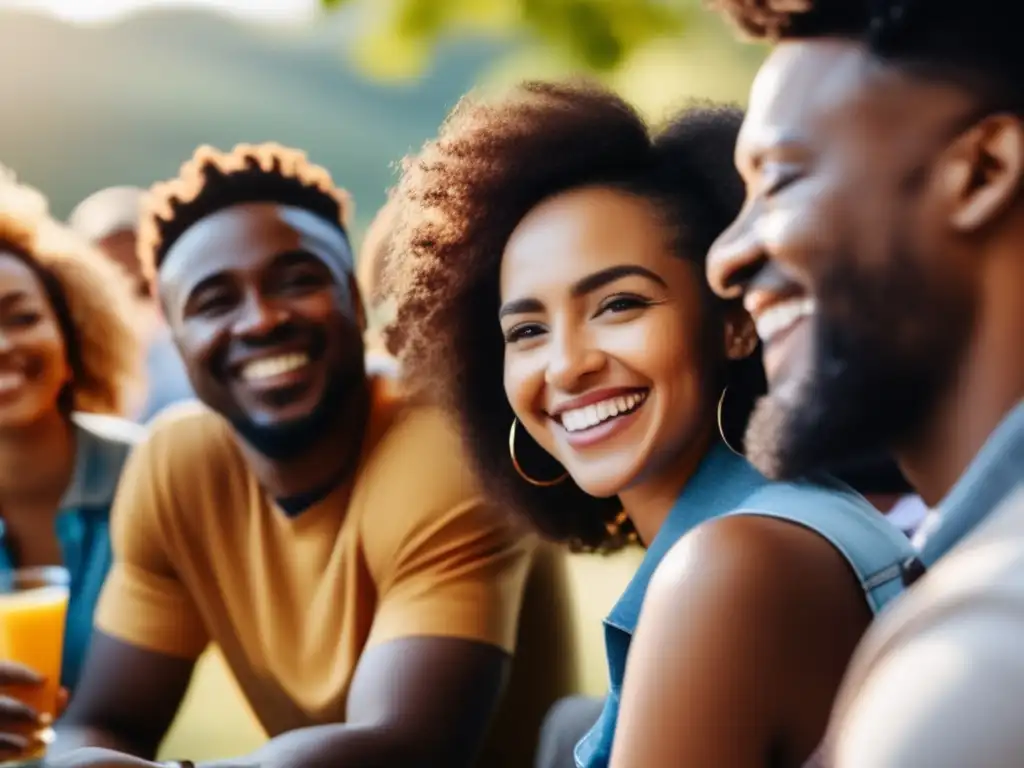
68 367
547 264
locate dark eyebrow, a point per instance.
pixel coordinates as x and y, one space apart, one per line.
520 307
297 255
597 280
12 298
582 287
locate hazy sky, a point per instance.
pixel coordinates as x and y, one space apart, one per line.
101 10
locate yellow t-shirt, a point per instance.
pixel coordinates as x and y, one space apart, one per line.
408 549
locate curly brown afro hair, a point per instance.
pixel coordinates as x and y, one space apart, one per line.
974 44
458 202
90 296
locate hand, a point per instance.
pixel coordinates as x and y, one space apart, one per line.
93 757
18 720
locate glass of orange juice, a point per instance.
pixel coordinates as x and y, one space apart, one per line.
33 606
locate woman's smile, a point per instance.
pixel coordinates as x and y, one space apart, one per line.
599 416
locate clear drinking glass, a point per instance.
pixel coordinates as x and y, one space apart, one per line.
33 607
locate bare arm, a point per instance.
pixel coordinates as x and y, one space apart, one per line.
425 689
414 702
745 632
148 631
449 573
126 700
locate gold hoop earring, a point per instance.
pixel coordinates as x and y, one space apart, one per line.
721 429
519 469
621 521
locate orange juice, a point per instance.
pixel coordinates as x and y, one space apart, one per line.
32 633
33 606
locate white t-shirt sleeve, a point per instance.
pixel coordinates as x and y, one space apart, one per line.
949 697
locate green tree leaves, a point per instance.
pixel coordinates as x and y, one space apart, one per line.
597 35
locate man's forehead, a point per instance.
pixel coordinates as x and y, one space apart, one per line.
807 88
801 82
247 235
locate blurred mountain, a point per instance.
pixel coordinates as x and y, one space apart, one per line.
126 103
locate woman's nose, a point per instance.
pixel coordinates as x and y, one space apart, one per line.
573 359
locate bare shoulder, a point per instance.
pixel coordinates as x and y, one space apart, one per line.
756 619
760 568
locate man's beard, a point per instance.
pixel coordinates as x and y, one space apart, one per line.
885 346
284 441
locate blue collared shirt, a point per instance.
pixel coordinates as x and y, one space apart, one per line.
83 526
989 480
726 484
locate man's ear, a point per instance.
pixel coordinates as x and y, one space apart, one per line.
983 172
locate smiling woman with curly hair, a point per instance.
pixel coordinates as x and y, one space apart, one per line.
68 367
91 301
547 262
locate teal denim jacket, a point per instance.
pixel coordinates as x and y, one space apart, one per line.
83 526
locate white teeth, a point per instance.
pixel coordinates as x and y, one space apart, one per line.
590 416
9 381
274 366
782 316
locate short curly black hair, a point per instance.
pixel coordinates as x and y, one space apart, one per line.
458 202
213 180
975 44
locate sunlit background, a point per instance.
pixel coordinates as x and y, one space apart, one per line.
101 92
108 92
106 10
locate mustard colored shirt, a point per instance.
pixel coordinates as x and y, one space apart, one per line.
201 554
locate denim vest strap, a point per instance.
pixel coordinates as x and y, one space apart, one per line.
727 485
877 551
82 526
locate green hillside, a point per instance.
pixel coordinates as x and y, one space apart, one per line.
126 103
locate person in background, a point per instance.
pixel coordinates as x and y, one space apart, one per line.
551 293
908 513
373 256
881 251
882 483
68 365
316 524
109 219
369 269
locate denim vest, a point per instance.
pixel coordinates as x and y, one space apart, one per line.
83 526
989 479
726 484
